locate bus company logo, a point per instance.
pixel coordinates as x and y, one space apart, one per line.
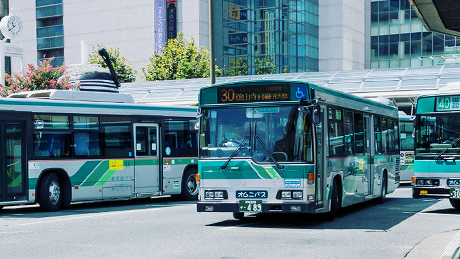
292 183
251 194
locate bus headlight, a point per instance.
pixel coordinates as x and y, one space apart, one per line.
286 194
297 195
215 195
209 194
218 194
289 195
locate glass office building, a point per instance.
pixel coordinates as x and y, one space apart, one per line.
50 30
265 36
399 39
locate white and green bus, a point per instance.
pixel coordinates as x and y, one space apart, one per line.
284 146
406 129
437 139
59 147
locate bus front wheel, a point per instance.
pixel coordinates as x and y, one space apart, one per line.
238 215
455 203
335 202
50 193
190 185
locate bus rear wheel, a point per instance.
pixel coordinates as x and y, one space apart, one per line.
455 203
50 193
190 185
383 192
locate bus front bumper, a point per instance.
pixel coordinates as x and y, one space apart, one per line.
430 192
266 207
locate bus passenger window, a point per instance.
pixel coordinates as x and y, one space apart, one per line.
52 144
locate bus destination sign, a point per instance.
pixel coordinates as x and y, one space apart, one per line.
448 103
263 93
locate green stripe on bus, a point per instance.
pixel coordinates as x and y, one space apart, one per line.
96 174
147 162
272 172
261 171
83 172
106 177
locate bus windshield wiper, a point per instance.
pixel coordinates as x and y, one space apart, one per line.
454 142
240 147
269 153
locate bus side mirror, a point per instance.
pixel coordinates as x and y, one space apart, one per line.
315 114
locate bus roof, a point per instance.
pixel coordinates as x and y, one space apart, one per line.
74 102
259 92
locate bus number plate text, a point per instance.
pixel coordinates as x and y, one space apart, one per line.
455 193
250 206
453 182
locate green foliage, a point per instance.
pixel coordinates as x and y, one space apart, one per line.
42 77
265 65
123 68
240 68
180 60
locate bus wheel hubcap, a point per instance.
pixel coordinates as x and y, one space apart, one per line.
55 192
191 185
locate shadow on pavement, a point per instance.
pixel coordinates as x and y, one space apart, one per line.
368 215
28 211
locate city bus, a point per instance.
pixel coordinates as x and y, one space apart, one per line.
305 149
437 135
62 146
406 129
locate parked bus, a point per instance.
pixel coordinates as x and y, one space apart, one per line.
437 135
60 146
406 129
284 146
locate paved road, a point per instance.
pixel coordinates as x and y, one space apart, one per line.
164 228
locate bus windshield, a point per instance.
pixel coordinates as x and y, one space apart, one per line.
264 134
438 134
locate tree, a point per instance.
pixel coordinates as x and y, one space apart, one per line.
180 60
240 68
265 65
42 77
123 68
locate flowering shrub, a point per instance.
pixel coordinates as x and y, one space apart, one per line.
42 77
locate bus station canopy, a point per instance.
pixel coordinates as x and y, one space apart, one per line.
439 15
402 85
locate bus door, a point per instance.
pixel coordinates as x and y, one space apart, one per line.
146 159
367 179
320 162
13 161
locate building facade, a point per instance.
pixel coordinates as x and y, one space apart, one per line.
399 39
250 36
265 36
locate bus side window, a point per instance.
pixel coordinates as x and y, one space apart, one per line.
378 135
50 144
336 136
359 133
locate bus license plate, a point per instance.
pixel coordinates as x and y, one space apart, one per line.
250 206
453 182
455 193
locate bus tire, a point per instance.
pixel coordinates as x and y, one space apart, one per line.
50 192
238 215
455 203
383 191
190 185
335 202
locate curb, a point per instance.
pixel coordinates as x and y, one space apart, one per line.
452 246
